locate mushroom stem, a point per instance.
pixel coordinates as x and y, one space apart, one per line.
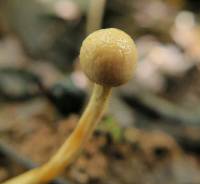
73 145
95 15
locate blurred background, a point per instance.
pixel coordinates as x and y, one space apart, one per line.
150 134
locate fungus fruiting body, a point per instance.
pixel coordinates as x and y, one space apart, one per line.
108 58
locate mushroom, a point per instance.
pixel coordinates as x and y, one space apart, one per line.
108 58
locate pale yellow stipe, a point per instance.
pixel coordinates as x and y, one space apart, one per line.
95 15
73 145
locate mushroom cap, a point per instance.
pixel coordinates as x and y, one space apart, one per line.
108 57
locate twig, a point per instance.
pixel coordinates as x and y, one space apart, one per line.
163 108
